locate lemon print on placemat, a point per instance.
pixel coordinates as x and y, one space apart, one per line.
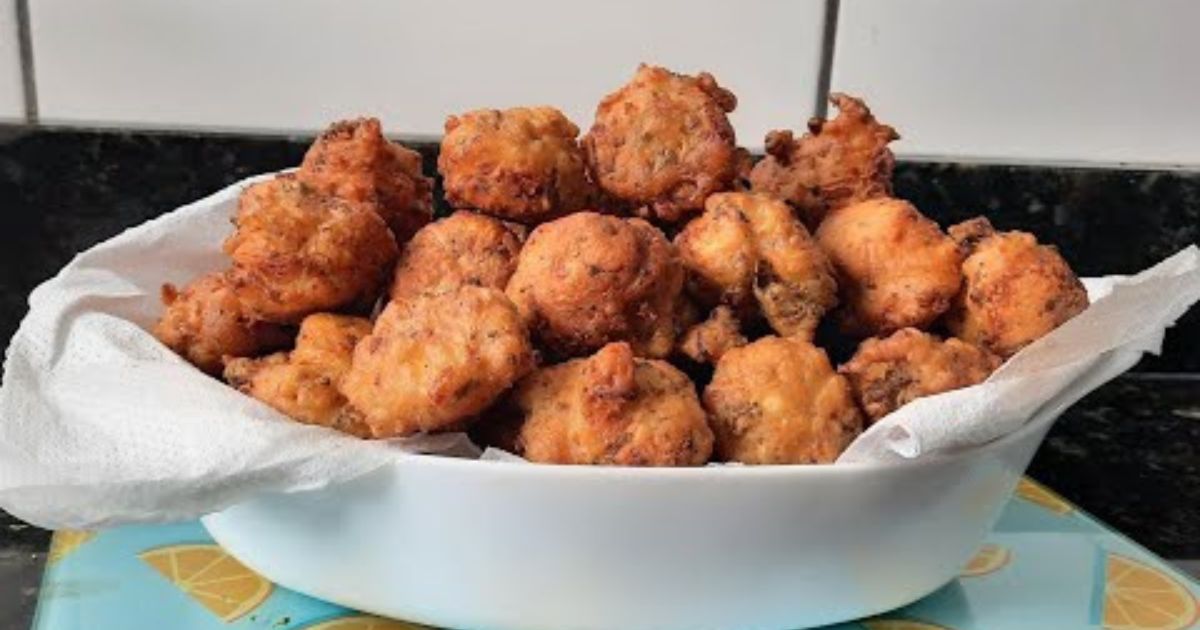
211 577
1035 492
366 622
989 559
65 541
1138 596
900 624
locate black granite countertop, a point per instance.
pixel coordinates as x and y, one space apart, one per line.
22 557
1129 453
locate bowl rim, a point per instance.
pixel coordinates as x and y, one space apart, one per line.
717 472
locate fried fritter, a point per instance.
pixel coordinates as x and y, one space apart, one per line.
436 360
745 166
612 408
522 164
352 160
779 401
588 279
709 340
205 322
747 250
1014 290
303 384
664 141
837 163
464 248
887 374
297 252
895 268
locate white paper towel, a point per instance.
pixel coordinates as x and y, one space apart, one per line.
100 424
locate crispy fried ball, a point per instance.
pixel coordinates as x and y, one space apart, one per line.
436 360
779 401
297 252
612 408
664 141
887 374
464 248
304 383
522 164
709 340
206 322
837 163
745 166
1014 290
352 160
895 267
587 279
748 251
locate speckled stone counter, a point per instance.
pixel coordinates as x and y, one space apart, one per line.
22 556
1129 453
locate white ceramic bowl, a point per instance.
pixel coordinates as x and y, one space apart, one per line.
500 546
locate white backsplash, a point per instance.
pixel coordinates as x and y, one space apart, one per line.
1106 81
297 64
12 96
1080 81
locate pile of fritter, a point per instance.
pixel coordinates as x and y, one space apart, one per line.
642 296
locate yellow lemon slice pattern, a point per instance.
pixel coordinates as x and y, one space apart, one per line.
989 559
900 624
1140 597
211 577
1038 494
366 622
65 541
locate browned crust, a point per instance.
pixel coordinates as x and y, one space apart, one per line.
663 142
837 163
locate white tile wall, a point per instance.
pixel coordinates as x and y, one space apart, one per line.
1029 80
12 94
1090 81
296 64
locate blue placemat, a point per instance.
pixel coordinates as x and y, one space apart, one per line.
1046 565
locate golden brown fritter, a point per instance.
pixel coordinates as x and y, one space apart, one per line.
205 322
297 252
352 160
745 166
779 401
748 251
1014 290
436 360
887 374
462 249
304 383
895 268
522 164
709 340
664 141
587 279
611 408
837 163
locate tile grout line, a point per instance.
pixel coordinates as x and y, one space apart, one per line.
825 72
25 44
